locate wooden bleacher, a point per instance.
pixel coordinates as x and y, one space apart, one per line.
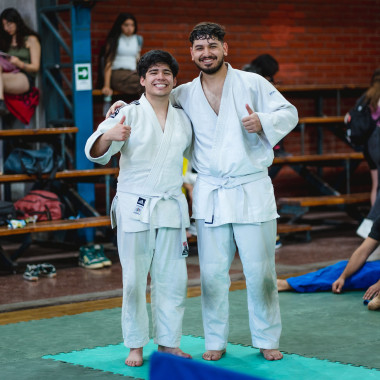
314 159
325 200
4 133
77 175
83 175
58 225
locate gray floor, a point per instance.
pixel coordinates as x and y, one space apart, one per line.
333 239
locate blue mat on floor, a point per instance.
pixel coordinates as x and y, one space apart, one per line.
242 359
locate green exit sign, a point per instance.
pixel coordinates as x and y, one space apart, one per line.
83 77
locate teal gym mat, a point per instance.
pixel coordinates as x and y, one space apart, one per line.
238 358
325 326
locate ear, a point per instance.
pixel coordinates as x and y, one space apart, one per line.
191 52
142 81
225 49
174 82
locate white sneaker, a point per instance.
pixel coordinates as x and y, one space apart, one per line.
364 228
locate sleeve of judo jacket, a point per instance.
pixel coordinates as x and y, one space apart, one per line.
103 127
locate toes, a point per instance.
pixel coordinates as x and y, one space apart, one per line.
134 363
214 355
271 354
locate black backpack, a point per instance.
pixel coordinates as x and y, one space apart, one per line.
7 212
360 125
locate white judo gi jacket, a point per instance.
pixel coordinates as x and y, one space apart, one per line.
233 185
150 177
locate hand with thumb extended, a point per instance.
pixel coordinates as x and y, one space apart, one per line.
119 132
248 108
251 123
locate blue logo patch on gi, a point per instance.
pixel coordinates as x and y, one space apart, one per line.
115 113
139 206
185 249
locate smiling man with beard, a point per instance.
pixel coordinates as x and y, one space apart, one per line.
238 117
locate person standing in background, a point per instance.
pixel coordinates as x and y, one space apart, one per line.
122 51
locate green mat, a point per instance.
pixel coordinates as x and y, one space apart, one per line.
319 325
238 358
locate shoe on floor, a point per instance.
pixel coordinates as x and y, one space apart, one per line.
3 108
31 272
98 251
87 258
278 242
47 270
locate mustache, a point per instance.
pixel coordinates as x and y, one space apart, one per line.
208 57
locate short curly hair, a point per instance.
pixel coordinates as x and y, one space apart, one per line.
153 57
206 30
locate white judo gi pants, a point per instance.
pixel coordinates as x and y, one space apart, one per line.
216 250
168 286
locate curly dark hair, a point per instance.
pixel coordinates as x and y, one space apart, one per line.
22 31
114 34
153 57
206 30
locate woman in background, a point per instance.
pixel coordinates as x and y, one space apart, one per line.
123 47
20 46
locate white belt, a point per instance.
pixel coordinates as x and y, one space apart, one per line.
226 183
154 199
183 211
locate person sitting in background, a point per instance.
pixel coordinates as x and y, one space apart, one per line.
360 272
21 48
122 51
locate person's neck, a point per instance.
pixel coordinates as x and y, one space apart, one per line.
158 103
160 106
215 79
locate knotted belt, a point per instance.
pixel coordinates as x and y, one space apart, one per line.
154 199
226 183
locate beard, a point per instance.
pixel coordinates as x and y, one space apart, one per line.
211 70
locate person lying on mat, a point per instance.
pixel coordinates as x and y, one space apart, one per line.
360 272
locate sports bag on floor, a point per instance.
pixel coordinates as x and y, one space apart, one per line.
45 204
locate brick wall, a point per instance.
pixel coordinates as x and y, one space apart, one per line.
315 42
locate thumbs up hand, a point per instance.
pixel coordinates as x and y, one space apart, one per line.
119 132
251 122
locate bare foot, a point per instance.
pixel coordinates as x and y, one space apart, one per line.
174 351
271 354
283 285
135 357
213 355
374 304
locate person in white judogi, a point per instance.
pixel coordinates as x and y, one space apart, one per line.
237 117
149 208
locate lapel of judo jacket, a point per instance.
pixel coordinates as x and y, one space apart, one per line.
165 137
